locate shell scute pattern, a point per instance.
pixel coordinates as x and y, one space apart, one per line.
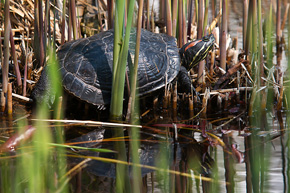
86 64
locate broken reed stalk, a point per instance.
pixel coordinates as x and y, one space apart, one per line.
223 37
205 17
25 74
285 17
168 18
5 66
63 22
9 99
212 59
15 62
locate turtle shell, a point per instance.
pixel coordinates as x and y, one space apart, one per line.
86 64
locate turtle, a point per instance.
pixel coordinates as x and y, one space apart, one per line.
86 65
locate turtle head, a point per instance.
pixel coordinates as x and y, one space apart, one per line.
194 52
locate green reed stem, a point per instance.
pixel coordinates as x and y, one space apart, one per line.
260 55
135 137
119 70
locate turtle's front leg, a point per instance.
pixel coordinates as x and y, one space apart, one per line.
184 82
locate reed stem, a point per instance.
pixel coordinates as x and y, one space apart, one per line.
224 32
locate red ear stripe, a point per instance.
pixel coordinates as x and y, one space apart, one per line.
192 44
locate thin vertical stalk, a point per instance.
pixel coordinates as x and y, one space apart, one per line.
269 42
245 18
74 18
180 21
200 24
190 15
205 16
223 38
5 67
110 13
249 29
174 17
135 144
213 7
15 62
279 74
168 18
118 34
184 34
63 22
200 18
36 31
41 34
47 38
260 57
148 14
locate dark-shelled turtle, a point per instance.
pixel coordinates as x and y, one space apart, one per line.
86 65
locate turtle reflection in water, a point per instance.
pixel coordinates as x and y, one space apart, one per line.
86 65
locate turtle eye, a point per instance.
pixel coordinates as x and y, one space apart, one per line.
205 39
